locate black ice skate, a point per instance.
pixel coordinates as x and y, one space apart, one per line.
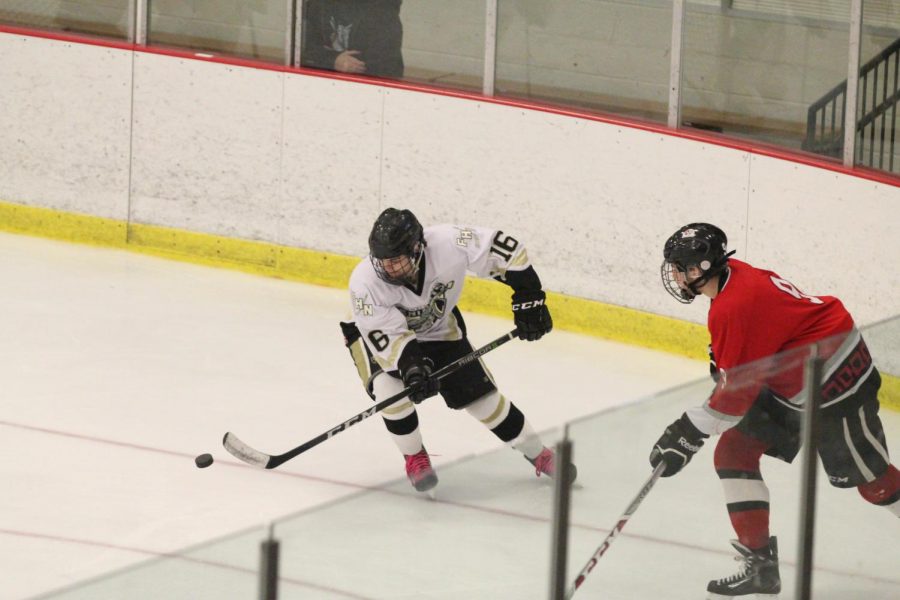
758 577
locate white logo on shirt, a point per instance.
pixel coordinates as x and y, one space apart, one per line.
422 319
361 307
464 236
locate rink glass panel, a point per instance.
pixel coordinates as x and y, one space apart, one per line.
485 536
605 55
682 527
108 18
254 30
729 84
223 568
443 42
488 534
877 144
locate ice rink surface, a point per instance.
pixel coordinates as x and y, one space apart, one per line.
116 369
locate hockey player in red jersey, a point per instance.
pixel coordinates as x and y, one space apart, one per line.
755 315
406 326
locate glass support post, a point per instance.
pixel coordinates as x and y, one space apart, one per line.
268 567
490 47
806 543
562 496
674 120
850 111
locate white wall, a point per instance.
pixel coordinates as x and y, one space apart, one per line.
207 147
309 162
65 115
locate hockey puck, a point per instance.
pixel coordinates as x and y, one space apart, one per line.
203 461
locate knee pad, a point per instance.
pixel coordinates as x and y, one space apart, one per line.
884 490
490 409
499 415
384 386
737 451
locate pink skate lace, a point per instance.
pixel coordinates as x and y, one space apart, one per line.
419 470
544 463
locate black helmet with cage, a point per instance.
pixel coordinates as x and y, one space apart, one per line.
396 235
698 245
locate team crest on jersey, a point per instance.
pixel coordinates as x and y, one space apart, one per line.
463 238
361 307
421 319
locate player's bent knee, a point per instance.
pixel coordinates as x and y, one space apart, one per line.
489 408
736 451
884 490
385 385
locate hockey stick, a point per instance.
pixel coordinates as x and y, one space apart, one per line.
615 530
260 459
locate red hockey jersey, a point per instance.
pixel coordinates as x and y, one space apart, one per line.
758 314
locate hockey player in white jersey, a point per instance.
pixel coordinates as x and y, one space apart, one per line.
406 325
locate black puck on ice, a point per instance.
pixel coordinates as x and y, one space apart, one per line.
203 461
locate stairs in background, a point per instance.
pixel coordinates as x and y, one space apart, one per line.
879 92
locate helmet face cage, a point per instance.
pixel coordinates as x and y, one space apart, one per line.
396 246
699 245
686 294
402 269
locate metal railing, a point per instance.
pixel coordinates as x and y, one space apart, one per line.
879 92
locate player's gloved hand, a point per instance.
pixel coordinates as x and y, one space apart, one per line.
677 446
418 378
531 315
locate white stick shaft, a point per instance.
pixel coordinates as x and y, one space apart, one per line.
601 550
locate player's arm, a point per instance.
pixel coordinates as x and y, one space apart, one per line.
742 339
735 391
496 254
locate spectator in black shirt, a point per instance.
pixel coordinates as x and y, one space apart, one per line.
354 36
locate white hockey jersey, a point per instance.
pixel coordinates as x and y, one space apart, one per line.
389 316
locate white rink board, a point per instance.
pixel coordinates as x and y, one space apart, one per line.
306 161
65 112
593 202
833 233
207 147
332 164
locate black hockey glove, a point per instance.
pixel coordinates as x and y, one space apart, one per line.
531 315
677 446
417 377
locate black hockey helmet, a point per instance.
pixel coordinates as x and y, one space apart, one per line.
396 234
698 245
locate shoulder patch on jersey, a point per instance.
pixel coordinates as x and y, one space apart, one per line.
361 307
464 237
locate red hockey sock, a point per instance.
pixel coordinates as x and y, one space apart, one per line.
737 465
752 527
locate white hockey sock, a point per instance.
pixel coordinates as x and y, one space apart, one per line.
528 442
492 409
386 386
408 444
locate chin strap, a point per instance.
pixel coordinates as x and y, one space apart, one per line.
701 281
